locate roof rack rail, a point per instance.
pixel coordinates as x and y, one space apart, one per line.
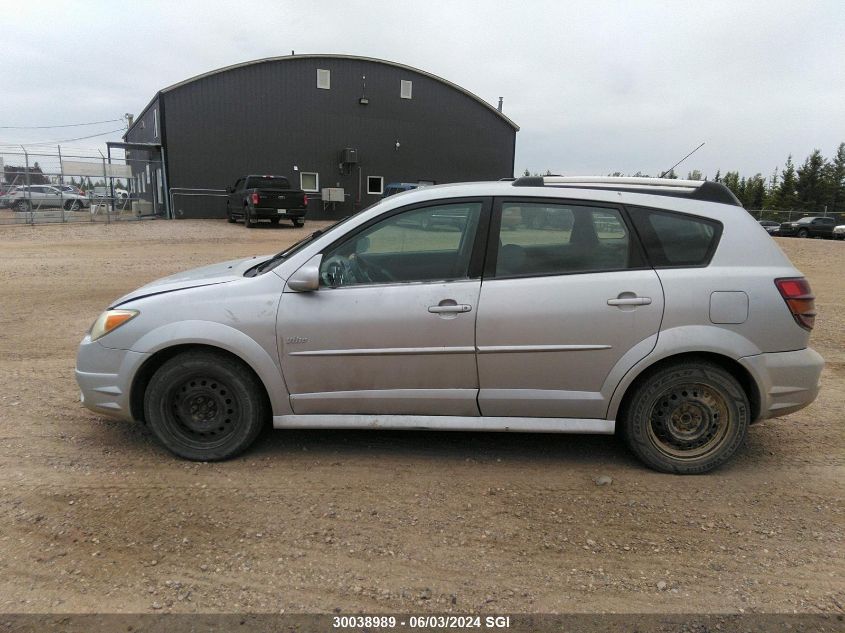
705 190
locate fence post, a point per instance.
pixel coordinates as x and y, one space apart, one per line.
108 211
27 179
61 182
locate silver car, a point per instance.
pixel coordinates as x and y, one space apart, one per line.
655 308
38 197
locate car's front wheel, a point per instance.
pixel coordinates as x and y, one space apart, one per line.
205 406
803 233
686 418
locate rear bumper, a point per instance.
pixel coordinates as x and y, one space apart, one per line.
788 381
262 213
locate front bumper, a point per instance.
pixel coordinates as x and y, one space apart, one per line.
104 376
788 381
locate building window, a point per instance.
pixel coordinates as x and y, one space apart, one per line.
324 79
155 122
148 173
375 184
406 89
309 181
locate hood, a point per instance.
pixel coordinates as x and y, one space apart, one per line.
221 273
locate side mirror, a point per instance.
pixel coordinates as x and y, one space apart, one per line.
307 278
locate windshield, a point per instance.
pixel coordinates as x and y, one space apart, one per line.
267 182
274 261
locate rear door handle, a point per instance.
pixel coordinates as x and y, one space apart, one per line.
447 309
629 301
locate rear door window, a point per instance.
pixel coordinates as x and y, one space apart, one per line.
676 239
546 238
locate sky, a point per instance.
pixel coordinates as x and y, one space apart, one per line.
596 87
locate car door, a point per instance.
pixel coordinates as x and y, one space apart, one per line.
391 329
566 295
52 197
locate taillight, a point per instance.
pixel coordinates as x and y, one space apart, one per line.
305 200
799 298
255 198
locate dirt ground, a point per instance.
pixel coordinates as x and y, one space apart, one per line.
95 516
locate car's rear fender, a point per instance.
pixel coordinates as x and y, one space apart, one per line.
679 341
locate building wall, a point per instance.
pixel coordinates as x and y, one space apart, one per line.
269 117
147 178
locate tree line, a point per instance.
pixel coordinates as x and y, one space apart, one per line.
817 186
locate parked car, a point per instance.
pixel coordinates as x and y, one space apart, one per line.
38 197
808 227
659 313
255 198
70 189
6 192
772 228
392 188
839 232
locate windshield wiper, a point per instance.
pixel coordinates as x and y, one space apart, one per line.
282 254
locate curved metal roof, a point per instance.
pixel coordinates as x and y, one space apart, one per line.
352 57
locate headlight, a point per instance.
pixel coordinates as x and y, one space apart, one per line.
111 320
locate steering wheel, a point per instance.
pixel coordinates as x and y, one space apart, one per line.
338 272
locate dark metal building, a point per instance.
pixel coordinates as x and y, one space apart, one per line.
324 121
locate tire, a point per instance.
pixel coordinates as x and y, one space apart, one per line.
229 217
22 206
687 418
73 205
297 223
248 223
803 233
205 406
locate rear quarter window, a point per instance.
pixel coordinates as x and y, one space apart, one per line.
676 239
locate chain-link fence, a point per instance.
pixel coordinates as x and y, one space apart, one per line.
48 185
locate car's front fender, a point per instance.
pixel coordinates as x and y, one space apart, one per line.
212 334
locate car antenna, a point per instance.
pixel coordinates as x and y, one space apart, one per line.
681 161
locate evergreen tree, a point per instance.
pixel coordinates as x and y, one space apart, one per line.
731 181
785 196
718 176
835 182
695 174
810 185
755 192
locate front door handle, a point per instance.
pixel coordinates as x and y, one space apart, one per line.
450 309
629 301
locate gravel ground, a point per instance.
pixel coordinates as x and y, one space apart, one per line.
97 517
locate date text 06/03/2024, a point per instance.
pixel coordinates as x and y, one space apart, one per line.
421 621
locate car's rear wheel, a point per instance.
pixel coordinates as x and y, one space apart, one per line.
687 418
803 233
22 206
205 406
73 205
229 217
